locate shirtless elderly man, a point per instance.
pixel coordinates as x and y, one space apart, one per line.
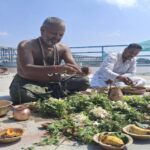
39 68
119 69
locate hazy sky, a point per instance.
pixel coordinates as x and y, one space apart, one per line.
89 22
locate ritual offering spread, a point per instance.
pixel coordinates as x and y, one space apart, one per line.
113 140
138 131
9 135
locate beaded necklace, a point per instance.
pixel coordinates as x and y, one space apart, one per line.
55 54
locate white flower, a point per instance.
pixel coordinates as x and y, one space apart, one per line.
79 119
121 105
96 123
99 112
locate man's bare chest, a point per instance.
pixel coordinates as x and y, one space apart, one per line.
48 58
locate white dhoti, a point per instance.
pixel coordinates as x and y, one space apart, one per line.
111 68
137 81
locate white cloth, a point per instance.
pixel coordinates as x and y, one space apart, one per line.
114 66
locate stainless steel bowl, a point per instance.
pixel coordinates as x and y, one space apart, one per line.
4 107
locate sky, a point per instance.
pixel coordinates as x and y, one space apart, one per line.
88 22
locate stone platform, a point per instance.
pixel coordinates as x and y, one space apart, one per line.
33 134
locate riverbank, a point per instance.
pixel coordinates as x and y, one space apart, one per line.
143 70
33 134
5 79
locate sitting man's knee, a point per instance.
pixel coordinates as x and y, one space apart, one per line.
85 84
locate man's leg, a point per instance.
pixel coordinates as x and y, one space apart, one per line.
18 94
119 84
138 81
76 83
23 91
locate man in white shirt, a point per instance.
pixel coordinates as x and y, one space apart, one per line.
119 69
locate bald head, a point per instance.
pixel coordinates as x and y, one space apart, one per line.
52 30
50 22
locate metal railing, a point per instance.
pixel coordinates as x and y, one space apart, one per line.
84 55
8 56
94 55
